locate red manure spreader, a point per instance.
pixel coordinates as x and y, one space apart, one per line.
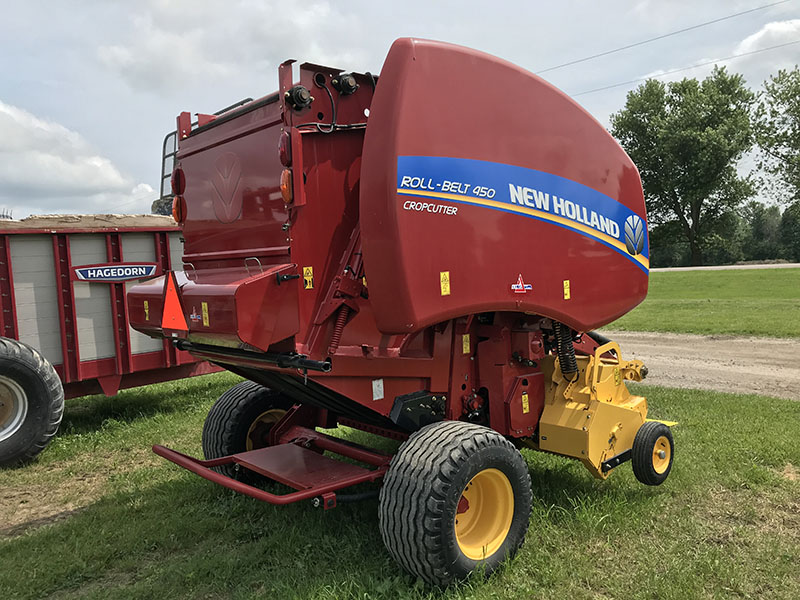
422 255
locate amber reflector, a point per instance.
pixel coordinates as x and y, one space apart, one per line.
286 186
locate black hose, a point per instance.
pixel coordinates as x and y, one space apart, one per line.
358 497
598 337
566 351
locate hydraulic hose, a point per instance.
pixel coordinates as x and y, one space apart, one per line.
566 351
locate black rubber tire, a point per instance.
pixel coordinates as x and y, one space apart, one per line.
642 452
422 489
25 366
226 426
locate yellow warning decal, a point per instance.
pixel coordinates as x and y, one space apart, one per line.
146 310
526 405
444 282
465 343
308 278
566 290
204 307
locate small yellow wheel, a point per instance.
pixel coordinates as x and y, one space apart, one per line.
652 453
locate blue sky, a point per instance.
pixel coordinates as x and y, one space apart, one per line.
89 89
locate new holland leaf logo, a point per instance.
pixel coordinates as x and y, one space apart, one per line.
227 202
634 235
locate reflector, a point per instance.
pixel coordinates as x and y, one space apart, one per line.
172 317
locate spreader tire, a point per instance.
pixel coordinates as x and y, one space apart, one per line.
652 453
240 420
31 402
457 496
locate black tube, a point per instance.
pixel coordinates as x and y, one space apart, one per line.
369 495
598 337
285 360
566 351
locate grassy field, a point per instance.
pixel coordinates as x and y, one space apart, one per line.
100 516
761 302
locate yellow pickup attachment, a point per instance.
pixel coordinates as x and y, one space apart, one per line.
592 416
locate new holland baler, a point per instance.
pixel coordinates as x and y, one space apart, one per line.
423 255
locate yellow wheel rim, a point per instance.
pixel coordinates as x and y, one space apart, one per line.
257 433
662 452
484 514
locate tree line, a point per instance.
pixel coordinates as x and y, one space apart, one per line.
689 138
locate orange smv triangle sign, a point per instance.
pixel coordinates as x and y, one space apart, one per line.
172 317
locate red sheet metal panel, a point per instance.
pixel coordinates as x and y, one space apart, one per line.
485 188
8 313
127 368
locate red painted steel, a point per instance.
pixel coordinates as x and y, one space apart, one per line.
119 312
107 375
438 100
66 309
8 310
455 304
310 473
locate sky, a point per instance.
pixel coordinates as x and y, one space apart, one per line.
89 89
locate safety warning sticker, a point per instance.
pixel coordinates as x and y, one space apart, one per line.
308 278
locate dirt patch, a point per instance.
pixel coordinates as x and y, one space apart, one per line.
744 365
44 494
790 472
29 506
732 511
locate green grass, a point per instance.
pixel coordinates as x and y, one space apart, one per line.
726 524
759 302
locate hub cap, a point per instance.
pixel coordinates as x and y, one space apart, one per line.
661 454
259 430
13 407
483 517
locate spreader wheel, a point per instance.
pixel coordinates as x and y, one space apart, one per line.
457 495
652 453
31 402
240 420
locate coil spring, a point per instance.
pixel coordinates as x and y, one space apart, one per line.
341 319
566 351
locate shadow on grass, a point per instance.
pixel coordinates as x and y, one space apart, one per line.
87 414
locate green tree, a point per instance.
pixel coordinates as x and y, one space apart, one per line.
763 239
686 138
790 231
777 127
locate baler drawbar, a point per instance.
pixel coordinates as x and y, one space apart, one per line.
424 256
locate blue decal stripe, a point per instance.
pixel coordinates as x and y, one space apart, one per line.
640 260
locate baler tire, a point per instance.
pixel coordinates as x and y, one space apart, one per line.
652 439
422 492
229 421
31 402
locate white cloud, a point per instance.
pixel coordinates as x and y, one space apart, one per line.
757 67
179 42
45 167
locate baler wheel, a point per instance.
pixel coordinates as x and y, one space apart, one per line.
240 420
652 453
457 496
31 402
